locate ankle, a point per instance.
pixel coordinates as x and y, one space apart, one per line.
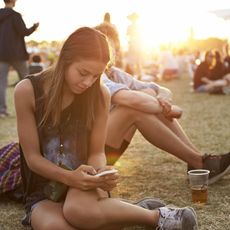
200 163
197 163
156 217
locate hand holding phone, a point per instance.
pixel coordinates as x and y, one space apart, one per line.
107 172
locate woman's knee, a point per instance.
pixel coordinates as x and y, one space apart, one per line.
85 216
131 113
51 223
48 215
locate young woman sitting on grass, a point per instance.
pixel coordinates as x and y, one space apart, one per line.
62 116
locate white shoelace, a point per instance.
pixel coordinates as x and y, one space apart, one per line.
167 216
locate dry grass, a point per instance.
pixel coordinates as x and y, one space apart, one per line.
148 171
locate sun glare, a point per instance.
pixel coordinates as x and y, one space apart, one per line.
160 22
176 26
172 24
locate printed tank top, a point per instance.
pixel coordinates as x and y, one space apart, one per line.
72 133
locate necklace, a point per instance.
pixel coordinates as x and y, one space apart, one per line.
61 153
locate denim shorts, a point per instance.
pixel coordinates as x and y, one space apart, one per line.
32 202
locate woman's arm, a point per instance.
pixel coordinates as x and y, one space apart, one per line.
146 101
97 140
127 91
119 76
28 135
163 93
29 140
137 100
97 157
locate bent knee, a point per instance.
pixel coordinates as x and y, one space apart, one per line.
129 112
52 223
81 216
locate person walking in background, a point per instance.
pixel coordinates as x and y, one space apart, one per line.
12 48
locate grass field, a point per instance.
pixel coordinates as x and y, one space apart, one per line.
148 171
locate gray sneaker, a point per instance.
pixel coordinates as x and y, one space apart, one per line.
177 219
149 203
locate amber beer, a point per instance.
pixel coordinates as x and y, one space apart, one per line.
198 180
199 194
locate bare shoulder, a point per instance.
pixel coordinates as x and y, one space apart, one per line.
23 87
24 91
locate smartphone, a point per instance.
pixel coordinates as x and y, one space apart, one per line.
107 172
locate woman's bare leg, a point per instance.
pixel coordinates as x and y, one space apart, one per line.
94 210
154 130
130 133
177 129
49 215
126 133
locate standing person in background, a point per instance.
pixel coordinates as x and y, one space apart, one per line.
116 45
12 48
107 17
134 46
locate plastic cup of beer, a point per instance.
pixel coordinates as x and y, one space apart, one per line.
198 180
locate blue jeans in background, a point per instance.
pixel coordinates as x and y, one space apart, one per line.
21 68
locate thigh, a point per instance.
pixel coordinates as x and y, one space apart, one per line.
120 126
82 209
49 215
22 68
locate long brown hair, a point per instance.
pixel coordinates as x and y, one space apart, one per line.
84 43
